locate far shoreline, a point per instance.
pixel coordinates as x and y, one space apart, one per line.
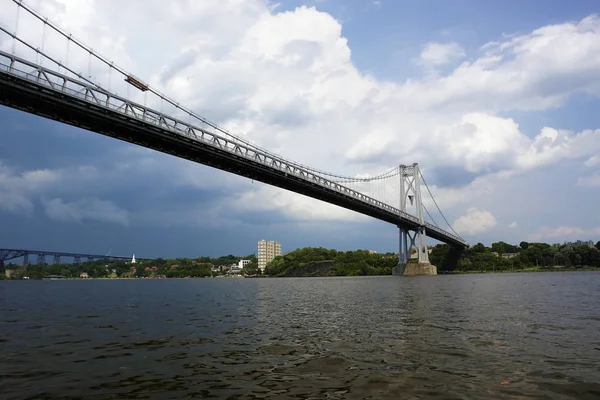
525 270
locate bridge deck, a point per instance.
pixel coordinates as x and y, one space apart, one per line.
58 97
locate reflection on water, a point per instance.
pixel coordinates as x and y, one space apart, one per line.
477 336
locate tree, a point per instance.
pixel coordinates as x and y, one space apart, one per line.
478 248
465 264
503 247
276 266
499 247
251 269
598 244
524 245
439 254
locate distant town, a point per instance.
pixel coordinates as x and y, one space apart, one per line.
252 265
268 261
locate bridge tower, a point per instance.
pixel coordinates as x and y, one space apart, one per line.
410 192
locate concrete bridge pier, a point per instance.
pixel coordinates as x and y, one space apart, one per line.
414 269
423 266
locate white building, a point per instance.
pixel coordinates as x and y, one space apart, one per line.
243 263
267 251
235 269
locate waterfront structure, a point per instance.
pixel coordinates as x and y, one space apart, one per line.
267 251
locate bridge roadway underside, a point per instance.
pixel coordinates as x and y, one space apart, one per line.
37 99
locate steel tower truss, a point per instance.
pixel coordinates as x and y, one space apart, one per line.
410 191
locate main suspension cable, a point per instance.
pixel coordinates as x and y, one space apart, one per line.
432 220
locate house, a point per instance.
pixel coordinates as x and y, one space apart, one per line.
235 269
9 272
84 275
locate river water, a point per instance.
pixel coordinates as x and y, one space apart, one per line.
496 336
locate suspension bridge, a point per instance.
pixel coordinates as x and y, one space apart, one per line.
35 79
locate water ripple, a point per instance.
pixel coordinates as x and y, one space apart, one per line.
505 336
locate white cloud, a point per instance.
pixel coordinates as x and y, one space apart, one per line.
452 197
552 146
592 180
295 207
435 54
565 233
532 71
286 81
512 225
475 221
11 180
480 140
15 203
561 231
85 209
592 161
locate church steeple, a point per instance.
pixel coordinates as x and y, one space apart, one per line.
133 259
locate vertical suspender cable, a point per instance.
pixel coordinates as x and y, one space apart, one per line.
43 42
67 57
14 44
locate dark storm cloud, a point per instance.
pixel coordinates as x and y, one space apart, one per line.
34 142
449 177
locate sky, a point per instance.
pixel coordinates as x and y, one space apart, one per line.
496 101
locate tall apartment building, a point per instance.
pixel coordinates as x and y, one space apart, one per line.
267 250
